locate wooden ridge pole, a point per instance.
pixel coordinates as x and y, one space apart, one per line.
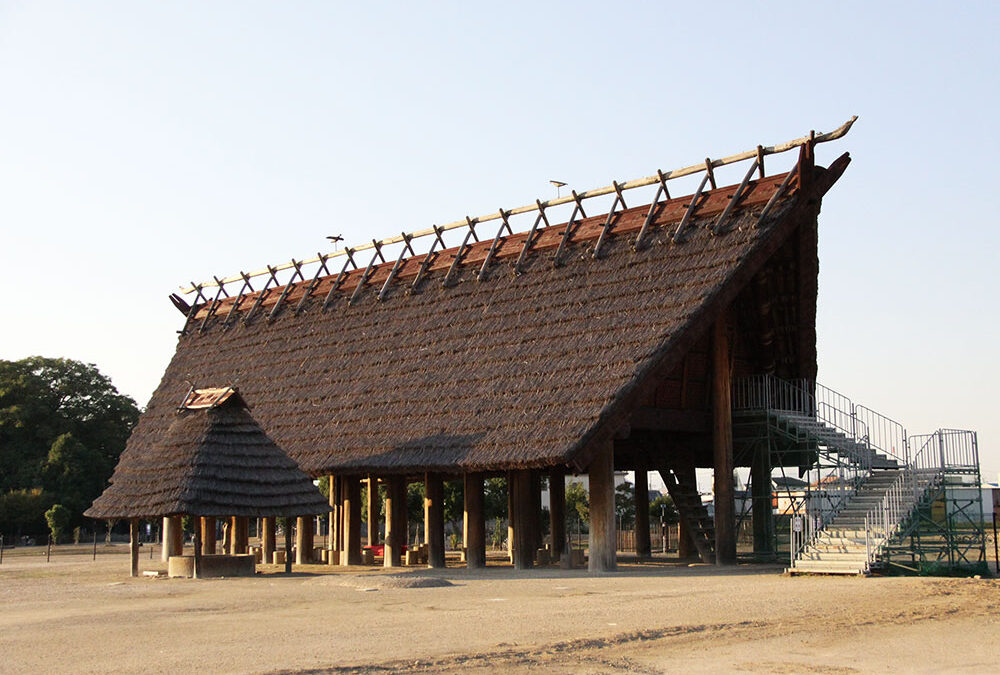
757 153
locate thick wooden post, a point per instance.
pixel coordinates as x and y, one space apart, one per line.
288 545
241 534
642 543
371 518
722 446
557 512
303 540
268 540
510 516
434 519
475 522
535 512
520 503
333 537
603 538
173 537
351 492
207 536
763 515
133 546
395 520
196 544
687 475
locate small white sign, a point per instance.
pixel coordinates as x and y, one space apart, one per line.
797 524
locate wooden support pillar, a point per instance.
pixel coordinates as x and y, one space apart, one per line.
687 475
350 490
371 517
303 540
395 520
475 522
722 445
173 537
288 545
434 518
510 516
196 544
763 514
520 501
557 512
333 536
241 534
133 546
268 540
207 535
535 512
603 539
642 543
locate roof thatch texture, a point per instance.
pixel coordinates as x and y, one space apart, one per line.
212 459
510 371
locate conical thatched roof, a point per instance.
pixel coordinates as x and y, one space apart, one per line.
212 460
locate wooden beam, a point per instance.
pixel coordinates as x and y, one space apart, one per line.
670 419
603 539
173 537
686 549
722 444
557 512
642 541
434 519
475 522
395 520
133 546
351 491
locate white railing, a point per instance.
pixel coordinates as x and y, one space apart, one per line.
942 452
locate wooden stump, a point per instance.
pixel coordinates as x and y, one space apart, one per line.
557 512
642 543
133 546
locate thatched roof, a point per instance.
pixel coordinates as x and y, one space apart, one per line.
212 459
507 371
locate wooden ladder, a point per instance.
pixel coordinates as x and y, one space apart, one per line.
693 514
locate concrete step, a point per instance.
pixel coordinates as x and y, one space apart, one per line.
826 567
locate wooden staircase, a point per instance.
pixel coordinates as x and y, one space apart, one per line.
693 514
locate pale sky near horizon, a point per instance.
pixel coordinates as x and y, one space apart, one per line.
145 145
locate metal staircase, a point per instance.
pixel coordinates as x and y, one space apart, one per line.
863 506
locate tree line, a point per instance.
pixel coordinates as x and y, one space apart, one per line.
63 426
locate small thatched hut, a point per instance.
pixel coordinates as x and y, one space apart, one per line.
213 460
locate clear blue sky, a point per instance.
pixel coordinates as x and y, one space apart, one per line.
144 145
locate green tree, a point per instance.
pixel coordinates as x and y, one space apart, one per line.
23 511
625 502
58 519
663 506
578 501
43 400
68 473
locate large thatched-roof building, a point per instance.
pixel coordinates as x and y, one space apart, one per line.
606 342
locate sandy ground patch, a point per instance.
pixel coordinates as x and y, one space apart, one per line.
75 615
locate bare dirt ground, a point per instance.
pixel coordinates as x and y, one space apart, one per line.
75 615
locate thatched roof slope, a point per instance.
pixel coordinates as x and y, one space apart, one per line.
213 459
505 372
